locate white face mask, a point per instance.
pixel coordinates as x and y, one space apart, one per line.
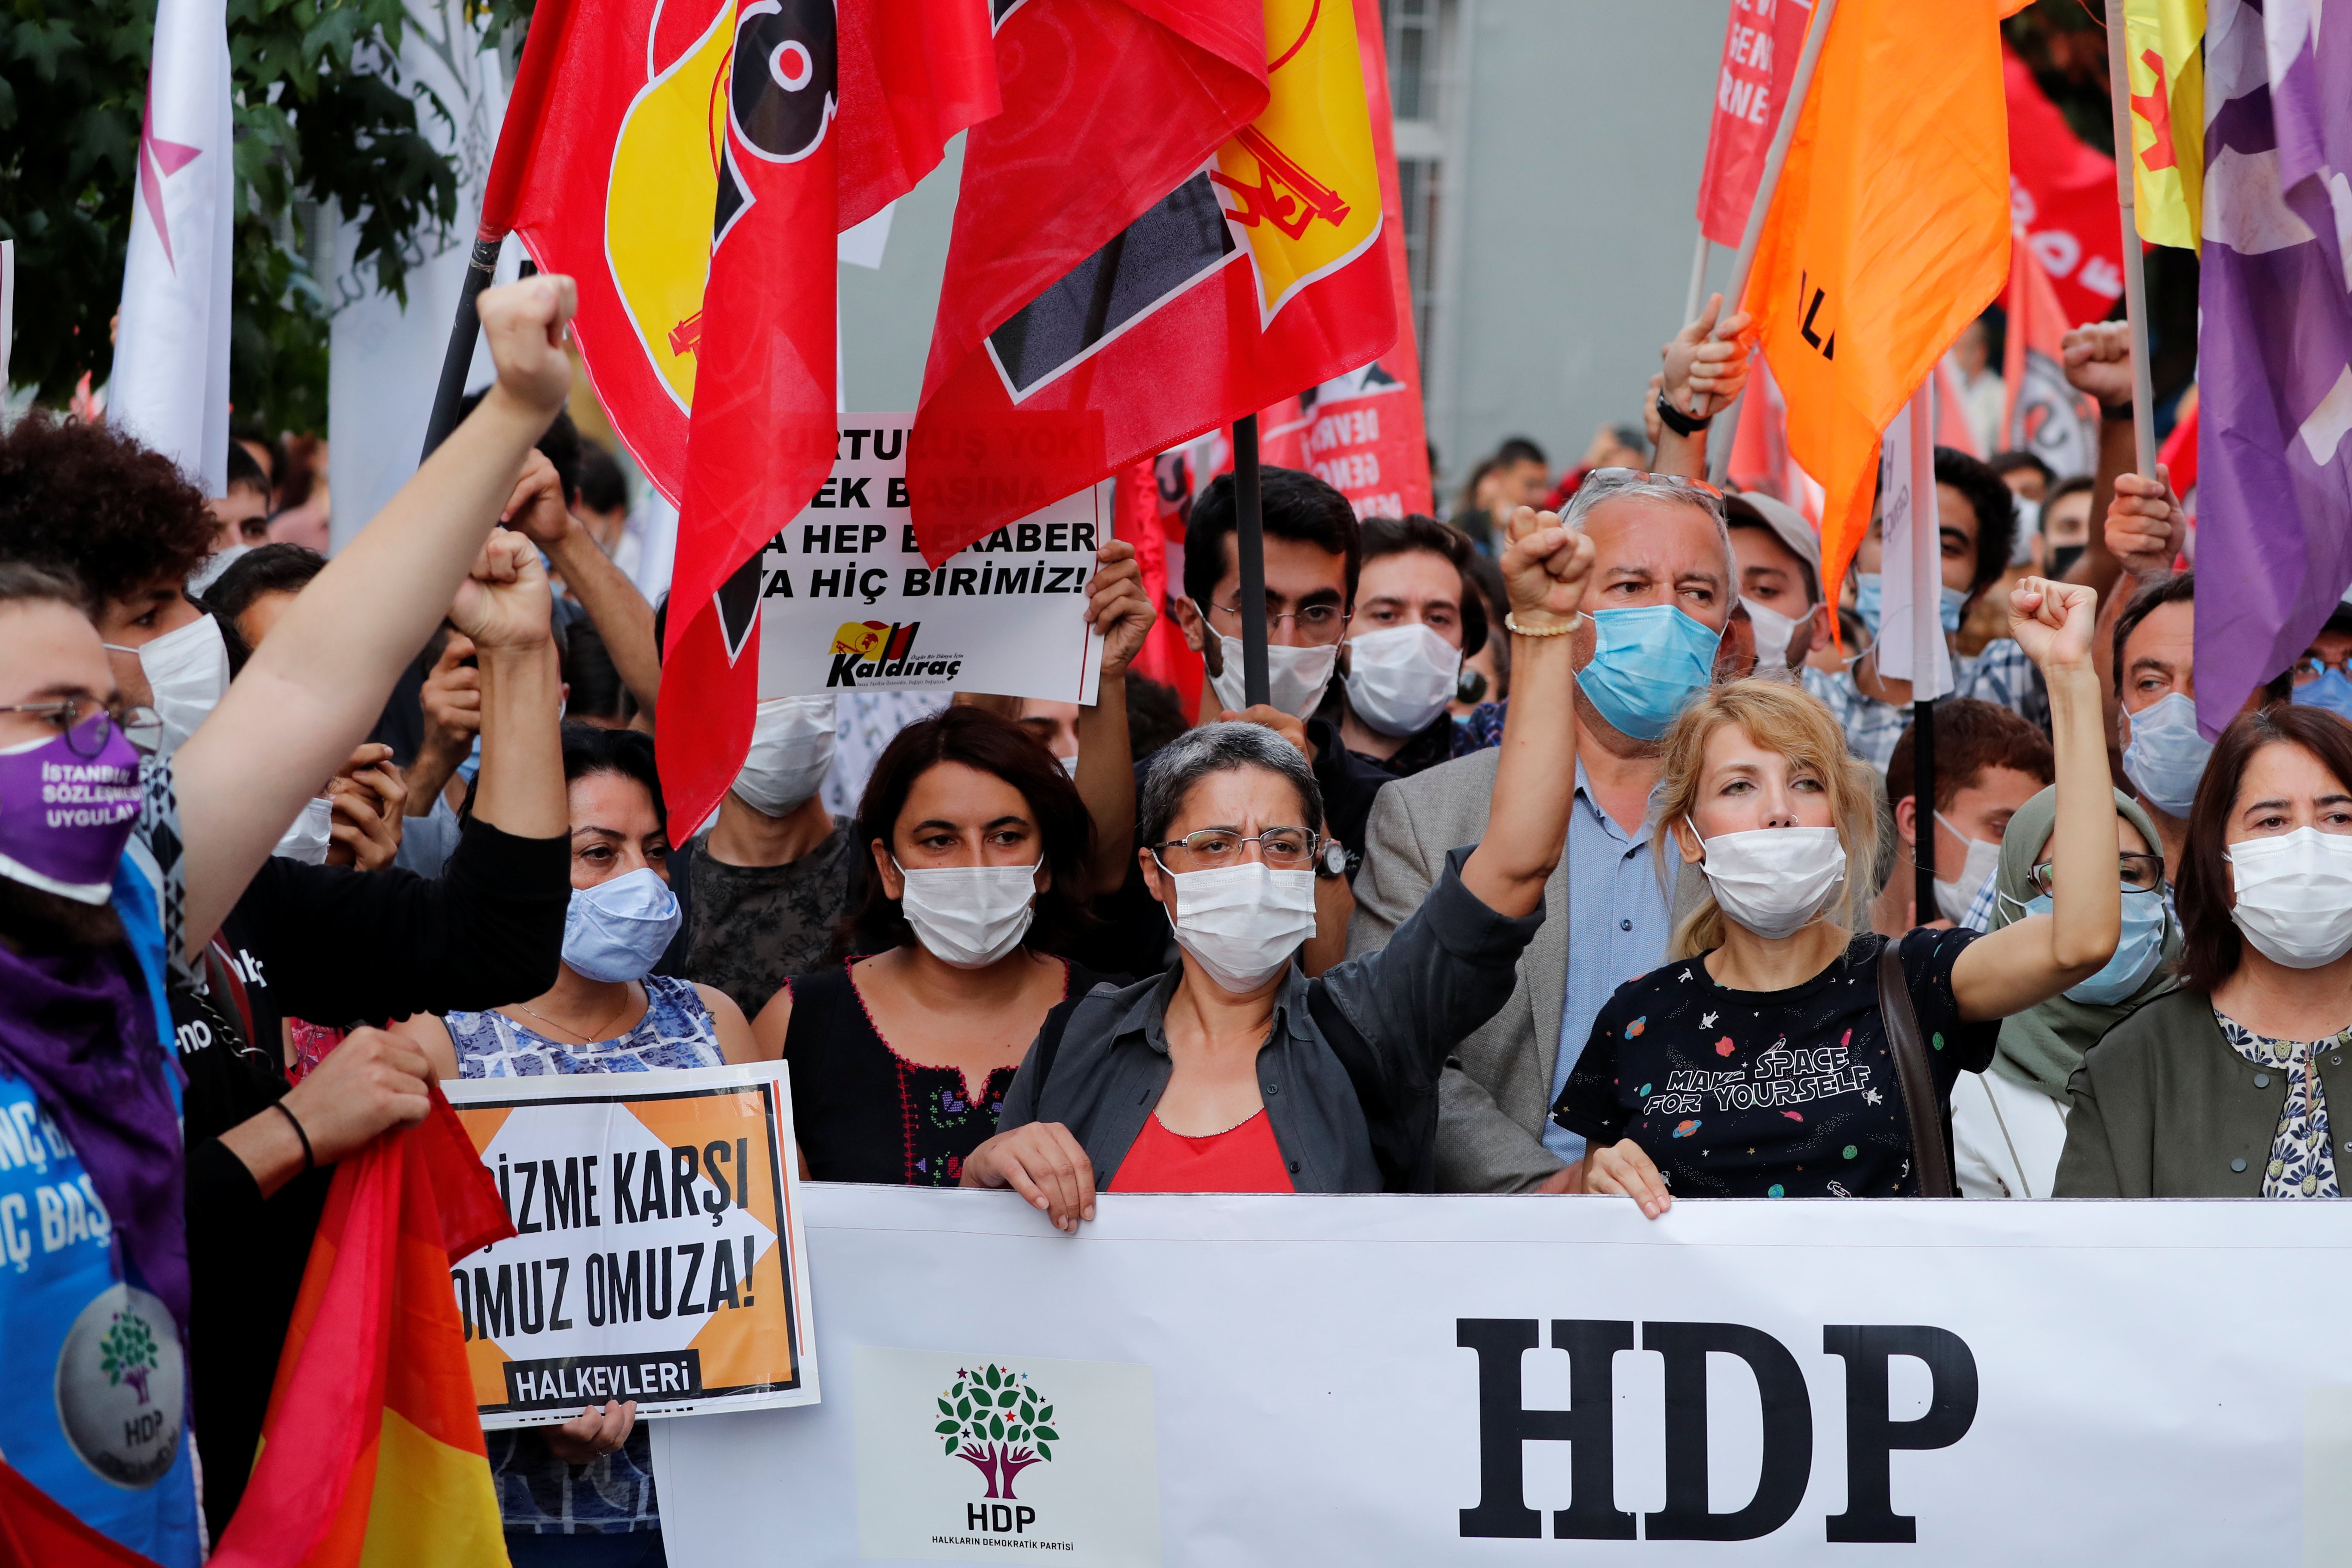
792 751
1775 881
1774 633
1399 678
1069 763
1241 924
1984 858
2294 896
187 672
1296 678
970 916
308 839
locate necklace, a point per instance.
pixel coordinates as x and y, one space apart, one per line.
584 1039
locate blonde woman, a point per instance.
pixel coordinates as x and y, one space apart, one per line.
1757 1062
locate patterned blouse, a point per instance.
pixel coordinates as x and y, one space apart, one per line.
2302 1159
612 1494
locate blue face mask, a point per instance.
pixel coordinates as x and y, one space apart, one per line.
2166 755
1867 598
617 930
2137 951
1647 664
2332 690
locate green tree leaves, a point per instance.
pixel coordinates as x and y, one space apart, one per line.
995 1406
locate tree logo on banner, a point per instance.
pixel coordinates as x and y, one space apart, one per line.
995 1422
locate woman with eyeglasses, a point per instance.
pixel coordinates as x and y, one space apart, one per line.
1234 1072
2221 1087
2009 1122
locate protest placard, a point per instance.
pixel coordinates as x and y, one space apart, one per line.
658 1254
1192 1381
848 603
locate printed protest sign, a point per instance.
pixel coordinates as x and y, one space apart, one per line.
659 1254
848 603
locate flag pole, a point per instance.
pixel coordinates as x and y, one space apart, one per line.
458 357
1777 155
1927 625
1249 554
1697 294
2134 261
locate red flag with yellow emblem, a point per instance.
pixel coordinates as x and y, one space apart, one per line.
1238 266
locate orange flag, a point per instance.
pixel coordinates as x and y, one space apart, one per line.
373 1454
1888 233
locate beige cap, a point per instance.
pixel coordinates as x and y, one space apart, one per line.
1787 523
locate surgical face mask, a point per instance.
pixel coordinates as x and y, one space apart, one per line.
1950 605
187 672
1296 678
792 751
1069 763
2166 755
1954 897
1399 678
1869 600
2294 896
970 916
617 930
65 817
1647 664
2029 523
1241 924
1774 633
2137 951
2062 558
312 831
2332 692
1775 881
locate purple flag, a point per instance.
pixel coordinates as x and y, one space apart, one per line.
2274 464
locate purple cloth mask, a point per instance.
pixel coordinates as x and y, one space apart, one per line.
64 818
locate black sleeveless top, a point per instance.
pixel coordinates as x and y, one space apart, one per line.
865 1114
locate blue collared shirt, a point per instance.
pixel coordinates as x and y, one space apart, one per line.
1618 925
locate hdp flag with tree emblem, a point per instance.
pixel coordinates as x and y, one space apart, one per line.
1240 263
1888 233
2164 51
372 1456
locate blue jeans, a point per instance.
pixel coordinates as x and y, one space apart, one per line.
638 1549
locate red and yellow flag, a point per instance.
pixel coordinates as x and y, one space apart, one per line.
1888 233
373 1454
2164 50
38 1531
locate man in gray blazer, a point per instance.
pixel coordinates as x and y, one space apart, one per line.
1611 907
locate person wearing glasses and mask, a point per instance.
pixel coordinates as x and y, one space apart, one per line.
2321 677
2221 1088
1760 1061
2009 1122
1418 617
1234 1072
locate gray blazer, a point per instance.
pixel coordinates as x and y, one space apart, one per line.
1438 980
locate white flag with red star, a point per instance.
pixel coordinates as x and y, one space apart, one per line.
170 387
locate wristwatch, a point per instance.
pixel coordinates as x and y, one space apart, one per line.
1680 423
1332 859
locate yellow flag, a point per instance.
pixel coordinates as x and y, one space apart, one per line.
2162 44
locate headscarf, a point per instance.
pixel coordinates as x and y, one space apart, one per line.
2042 1046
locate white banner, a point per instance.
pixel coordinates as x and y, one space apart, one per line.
1410 1381
848 603
1911 580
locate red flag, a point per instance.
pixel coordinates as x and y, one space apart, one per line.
36 1531
763 435
2044 416
2062 197
1759 448
372 1453
1257 272
1760 45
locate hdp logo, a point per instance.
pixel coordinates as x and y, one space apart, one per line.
127 1353
995 1422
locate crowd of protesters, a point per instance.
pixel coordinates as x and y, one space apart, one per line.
320 831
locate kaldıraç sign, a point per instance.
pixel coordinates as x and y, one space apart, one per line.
1387 1380
848 603
658 1256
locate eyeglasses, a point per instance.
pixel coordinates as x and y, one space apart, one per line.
139 726
1283 848
1317 622
2140 874
2307 668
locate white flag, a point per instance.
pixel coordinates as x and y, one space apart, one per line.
170 387
1911 647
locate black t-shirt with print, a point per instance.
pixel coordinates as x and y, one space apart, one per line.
1772 1093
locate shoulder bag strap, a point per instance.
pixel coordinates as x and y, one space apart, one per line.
1931 1156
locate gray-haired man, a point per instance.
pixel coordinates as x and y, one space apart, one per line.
1661 590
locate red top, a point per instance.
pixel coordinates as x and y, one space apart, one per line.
1244 1159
